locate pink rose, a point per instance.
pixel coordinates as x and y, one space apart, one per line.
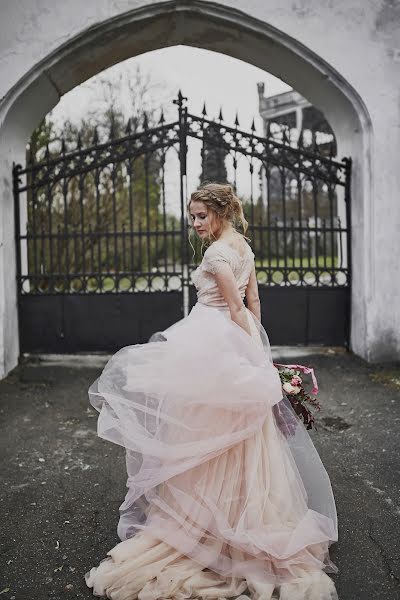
296 380
290 389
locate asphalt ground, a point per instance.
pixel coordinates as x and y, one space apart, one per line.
62 485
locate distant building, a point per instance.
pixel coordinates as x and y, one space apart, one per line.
304 125
288 198
291 111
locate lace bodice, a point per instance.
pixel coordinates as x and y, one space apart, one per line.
218 253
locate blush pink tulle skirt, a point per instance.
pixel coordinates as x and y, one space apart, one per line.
227 495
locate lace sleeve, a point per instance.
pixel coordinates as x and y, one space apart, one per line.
213 259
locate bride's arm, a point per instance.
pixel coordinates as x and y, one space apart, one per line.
228 287
252 297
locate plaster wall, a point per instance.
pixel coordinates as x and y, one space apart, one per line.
343 55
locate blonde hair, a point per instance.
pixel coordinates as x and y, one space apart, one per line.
222 200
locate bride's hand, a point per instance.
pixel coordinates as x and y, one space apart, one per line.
227 285
240 317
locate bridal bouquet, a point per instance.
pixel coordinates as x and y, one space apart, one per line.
292 385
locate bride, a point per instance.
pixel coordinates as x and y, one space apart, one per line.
224 499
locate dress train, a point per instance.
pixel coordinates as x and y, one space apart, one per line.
223 498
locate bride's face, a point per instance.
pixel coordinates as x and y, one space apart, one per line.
203 219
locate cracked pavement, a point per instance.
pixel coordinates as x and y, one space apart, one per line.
62 485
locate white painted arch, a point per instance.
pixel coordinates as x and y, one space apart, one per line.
213 26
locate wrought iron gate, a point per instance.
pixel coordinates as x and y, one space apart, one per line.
102 235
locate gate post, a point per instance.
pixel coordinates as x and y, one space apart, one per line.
17 168
182 111
347 199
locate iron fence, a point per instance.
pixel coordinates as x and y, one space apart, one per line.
109 218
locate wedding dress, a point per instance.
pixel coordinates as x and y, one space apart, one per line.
227 495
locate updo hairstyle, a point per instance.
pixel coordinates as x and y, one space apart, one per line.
221 199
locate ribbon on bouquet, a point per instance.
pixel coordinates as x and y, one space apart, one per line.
305 370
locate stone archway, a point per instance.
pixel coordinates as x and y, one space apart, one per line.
201 24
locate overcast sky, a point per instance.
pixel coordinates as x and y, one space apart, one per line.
215 78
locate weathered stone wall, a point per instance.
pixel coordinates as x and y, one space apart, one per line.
344 56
